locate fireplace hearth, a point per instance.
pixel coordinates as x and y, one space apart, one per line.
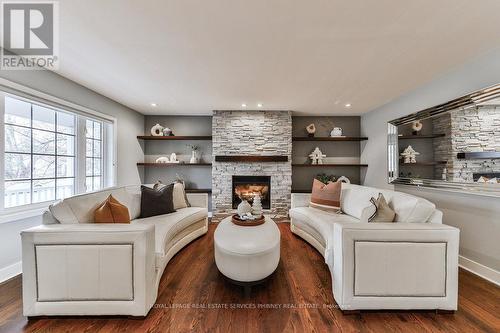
245 187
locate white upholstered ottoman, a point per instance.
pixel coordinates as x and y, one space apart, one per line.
247 255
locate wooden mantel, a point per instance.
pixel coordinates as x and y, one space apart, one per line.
251 158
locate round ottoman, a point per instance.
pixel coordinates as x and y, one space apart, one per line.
247 254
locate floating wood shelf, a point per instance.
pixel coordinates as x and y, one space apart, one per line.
166 165
423 163
411 137
301 191
327 138
479 155
251 158
199 190
175 137
330 165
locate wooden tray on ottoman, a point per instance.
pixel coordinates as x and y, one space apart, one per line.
248 223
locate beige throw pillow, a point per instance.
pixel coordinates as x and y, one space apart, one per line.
379 211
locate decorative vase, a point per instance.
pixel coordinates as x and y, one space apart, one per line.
416 126
337 131
311 129
194 158
257 205
244 208
157 130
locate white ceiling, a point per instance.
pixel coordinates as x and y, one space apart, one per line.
312 57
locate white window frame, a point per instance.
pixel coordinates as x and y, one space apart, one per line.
109 152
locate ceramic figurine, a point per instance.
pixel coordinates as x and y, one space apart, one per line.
336 131
167 132
157 130
244 208
257 205
173 158
311 129
162 159
409 155
416 126
317 156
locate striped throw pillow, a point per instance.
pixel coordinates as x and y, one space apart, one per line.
326 196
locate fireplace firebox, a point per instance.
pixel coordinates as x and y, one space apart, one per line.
245 187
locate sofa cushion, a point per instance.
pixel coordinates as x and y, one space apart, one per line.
320 221
168 225
80 208
408 208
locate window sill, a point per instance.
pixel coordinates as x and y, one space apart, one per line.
16 214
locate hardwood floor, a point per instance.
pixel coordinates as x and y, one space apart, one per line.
193 296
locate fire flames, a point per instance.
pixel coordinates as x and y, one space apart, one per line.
247 192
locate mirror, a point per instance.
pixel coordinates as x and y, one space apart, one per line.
455 145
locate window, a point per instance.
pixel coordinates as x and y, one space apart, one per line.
93 160
41 160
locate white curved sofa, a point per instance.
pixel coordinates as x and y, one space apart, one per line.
74 267
409 264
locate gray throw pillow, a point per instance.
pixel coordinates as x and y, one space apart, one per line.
157 202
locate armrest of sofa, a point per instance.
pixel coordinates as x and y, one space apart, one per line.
395 266
300 199
198 199
71 269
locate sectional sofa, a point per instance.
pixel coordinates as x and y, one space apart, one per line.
74 267
411 263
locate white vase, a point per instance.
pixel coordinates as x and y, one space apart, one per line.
244 208
193 159
157 130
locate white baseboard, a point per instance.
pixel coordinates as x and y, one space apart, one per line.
483 271
10 271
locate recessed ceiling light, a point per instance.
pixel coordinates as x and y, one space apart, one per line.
259 105
348 105
154 105
243 105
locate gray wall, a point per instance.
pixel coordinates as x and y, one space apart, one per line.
196 177
476 216
129 125
302 176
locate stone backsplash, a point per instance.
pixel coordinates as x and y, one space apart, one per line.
252 133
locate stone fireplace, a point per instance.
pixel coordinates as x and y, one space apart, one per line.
246 187
265 137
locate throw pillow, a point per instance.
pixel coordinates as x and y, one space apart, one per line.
380 211
111 211
326 196
179 194
157 202
180 198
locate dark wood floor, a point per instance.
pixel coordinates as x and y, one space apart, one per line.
301 287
